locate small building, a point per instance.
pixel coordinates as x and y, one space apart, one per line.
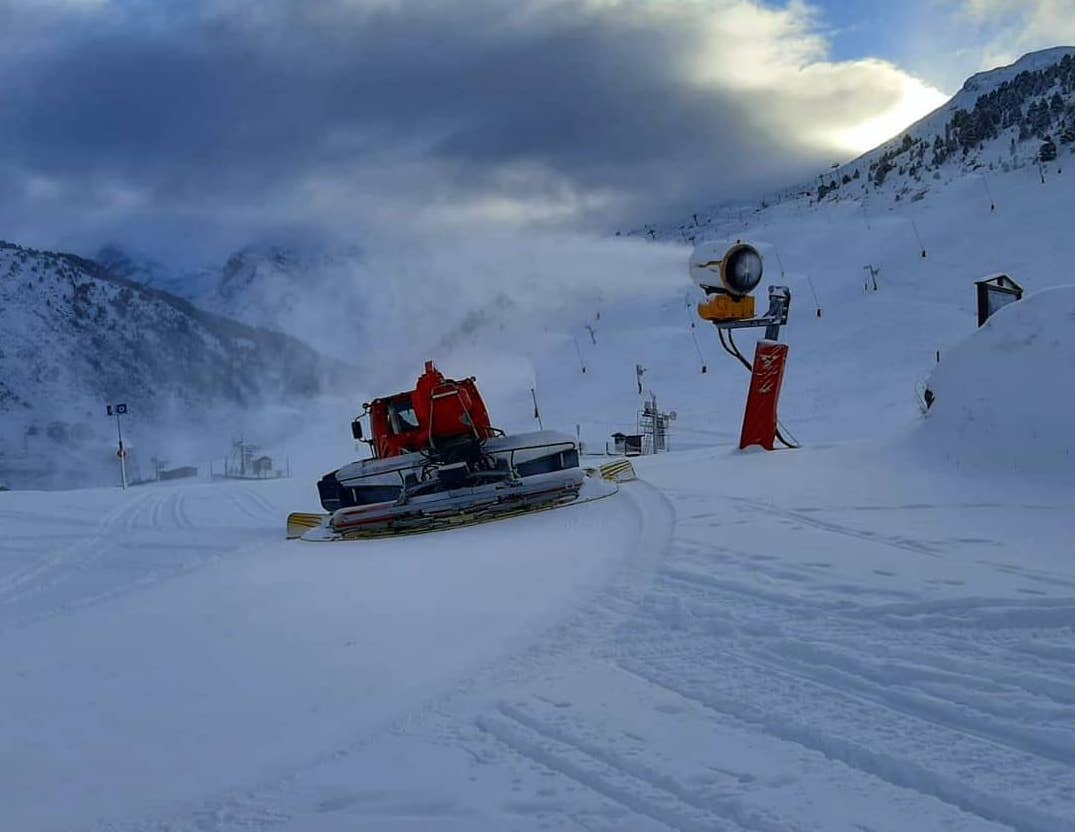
263 466
179 473
628 444
994 292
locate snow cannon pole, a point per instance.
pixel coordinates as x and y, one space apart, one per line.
728 280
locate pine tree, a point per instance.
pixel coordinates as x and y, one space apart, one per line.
1047 153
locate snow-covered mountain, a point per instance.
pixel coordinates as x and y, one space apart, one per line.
1015 117
189 284
267 286
1002 119
74 336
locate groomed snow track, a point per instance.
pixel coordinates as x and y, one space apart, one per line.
693 655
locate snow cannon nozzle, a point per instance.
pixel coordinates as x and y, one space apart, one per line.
721 268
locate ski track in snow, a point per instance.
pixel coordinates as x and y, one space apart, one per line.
149 535
722 687
265 806
750 664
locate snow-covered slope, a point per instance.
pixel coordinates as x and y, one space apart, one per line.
1014 117
1005 396
853 371
74 337
1031 100
830 639
266 285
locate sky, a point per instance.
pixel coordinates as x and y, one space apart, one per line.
189 128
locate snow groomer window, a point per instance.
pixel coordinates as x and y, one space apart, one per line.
401 416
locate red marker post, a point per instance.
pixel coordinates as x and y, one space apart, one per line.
759 420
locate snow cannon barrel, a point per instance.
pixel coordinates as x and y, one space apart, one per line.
736 269
728 273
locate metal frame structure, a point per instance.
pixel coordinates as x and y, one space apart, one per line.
775 316
653 425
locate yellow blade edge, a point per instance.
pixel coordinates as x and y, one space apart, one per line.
298 523
619 471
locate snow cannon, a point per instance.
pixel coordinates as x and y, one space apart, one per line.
728 274
735 268
437 462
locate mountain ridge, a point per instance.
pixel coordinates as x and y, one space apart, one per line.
1000 119
74 336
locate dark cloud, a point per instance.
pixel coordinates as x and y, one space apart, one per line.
210 120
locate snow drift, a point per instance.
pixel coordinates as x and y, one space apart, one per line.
1005 394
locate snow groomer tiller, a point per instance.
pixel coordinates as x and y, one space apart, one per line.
728 274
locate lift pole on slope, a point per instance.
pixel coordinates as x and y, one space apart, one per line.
117 411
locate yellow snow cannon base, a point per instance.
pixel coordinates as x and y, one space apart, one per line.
726 308
317 527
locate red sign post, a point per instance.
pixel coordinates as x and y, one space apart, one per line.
759 420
